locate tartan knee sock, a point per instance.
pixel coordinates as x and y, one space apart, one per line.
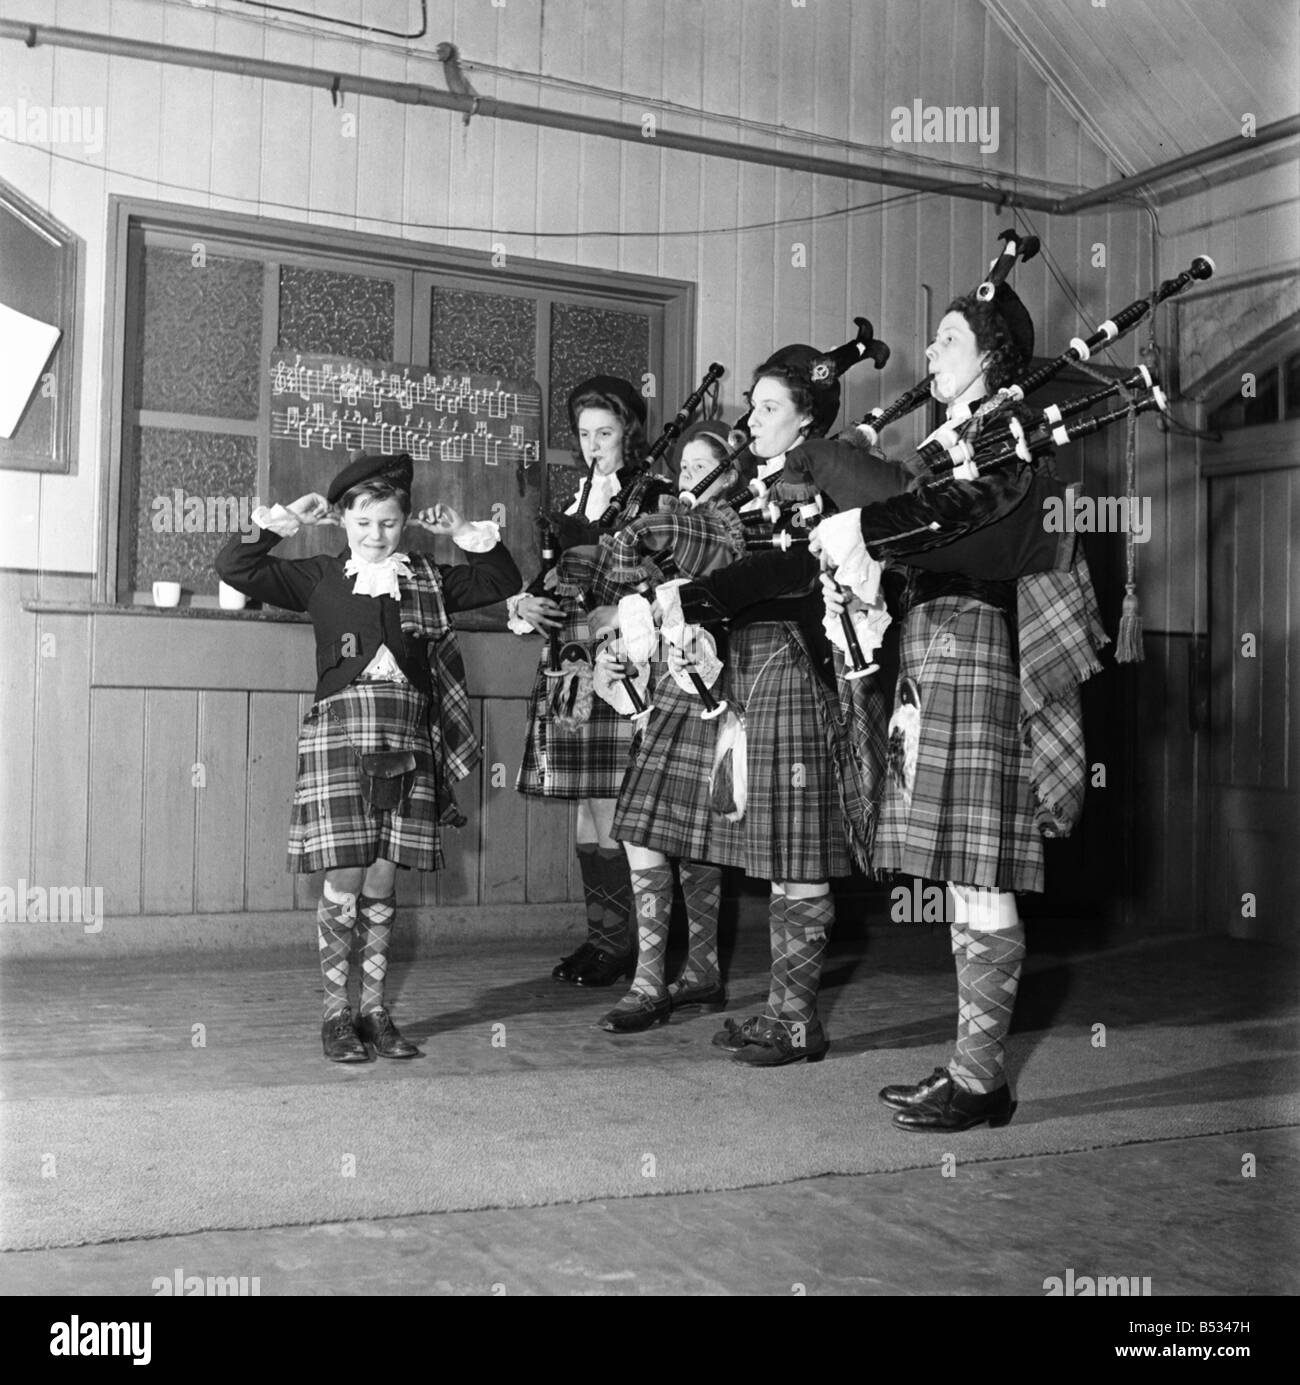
702 887
808 926
335 915
589 865
961 937
988 976
374 929
613 933
652 889
776 907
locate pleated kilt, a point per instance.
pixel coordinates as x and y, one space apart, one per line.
792 828
585 763
664 802
331 824
971 817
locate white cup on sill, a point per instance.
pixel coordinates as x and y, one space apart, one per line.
166 593
229 599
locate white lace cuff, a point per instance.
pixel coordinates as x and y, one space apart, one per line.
515 622
484 535
278 520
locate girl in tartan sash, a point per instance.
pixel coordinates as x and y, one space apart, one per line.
390 728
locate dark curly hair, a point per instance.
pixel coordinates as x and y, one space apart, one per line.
1006 362
635 443
823 403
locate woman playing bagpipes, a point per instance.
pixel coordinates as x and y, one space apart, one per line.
985 746
390 727
577 746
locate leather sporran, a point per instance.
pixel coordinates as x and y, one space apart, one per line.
387 778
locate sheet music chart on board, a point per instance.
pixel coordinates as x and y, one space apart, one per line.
335 405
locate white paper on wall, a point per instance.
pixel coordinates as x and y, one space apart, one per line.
25 347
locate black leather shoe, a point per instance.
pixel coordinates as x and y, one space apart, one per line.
903 1098
958 1109
567 968
339 1040
378 1031
710 996
790 1043
605 968
735 1035
649 1011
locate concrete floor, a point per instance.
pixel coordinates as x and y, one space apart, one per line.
1177 1211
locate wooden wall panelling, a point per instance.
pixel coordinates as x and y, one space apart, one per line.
332 155
516 147
133 146
757 55
796 316
1277 654
222 802
681 174
381 137
272 767
18 656
170 754
61 750
287 133
550 851
116 797
640 193
503 863
719 301
237 104
187 117
1247 617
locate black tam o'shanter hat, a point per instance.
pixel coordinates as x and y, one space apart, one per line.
609 387
398 470
1007 305
824 368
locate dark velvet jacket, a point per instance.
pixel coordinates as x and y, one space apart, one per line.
360 624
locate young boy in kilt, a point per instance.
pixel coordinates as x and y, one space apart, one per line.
986 744
390 727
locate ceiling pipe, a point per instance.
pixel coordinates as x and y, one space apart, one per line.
418 94
1238 145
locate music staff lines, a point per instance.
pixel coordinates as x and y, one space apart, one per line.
389 439
447 394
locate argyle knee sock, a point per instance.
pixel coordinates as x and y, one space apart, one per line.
808 927
776 907
589 865
652 892
702 887
335 916
988 976
961 936
613 933
374 930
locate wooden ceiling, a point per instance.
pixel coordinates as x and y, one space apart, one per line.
1153 79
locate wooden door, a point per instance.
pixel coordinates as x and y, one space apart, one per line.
1254 694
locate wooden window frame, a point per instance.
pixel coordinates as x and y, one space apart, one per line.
131 219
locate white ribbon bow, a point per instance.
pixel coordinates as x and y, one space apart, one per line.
379 579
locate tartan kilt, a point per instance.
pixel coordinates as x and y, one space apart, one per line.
331 824
585 763
793 827
664 802
971 818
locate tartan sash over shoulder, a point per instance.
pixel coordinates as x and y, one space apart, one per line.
1060 636
456 748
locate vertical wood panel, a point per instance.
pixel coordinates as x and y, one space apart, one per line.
18 656
185 152
286 169
642 65
61 750
237 104
170 753
1275 652
272 767
222 802
549 850
504 855
1247 616
117 797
